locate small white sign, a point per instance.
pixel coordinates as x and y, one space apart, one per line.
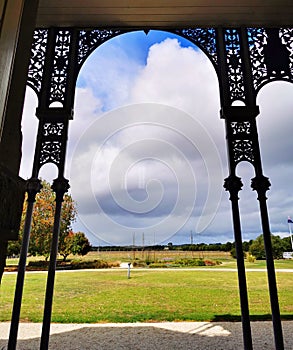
125 265
288 255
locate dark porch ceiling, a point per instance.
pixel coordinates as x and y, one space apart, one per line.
164 14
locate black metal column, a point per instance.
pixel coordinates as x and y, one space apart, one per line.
231 87
233 184
60 186
261 185
273 68
58 86
33 187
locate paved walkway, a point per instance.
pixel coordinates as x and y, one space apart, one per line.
148 336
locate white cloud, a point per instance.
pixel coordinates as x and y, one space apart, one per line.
174 76
29 130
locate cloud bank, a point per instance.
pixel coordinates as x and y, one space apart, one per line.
147 152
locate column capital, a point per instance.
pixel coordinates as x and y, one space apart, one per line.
33 186
233 184
261 184
60 186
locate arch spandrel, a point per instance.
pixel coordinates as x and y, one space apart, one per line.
37 61
266 65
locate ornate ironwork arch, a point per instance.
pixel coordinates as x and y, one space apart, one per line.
56 57
265 66
245 59
89 40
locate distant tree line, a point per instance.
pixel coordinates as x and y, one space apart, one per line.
225 247
253 247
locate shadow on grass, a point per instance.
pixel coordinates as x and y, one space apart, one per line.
163 336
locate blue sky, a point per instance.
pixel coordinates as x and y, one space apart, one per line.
147 154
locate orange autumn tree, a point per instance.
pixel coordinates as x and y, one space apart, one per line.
43 220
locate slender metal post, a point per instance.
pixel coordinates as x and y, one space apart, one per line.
60 186
233 184
33 187
261 184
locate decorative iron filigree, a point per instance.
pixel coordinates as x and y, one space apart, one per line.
242 143
89 40
239 128
60 67
286 35
242 151
50 152
204 38
38 54
258 42
52 135
234 65
53 129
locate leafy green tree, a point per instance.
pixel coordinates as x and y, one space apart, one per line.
81 245
227 246
13 248
257 248
65 245
74 243
287 244
278 247
246 245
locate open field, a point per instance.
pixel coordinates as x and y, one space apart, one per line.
124 256
149 295
169 255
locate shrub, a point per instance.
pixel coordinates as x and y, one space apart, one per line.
39 264
139 263
114 264
250 258
95 264
157 265
190 262
209 263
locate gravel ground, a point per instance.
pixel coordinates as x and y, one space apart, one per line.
148 336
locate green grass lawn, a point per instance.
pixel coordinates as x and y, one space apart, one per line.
149 295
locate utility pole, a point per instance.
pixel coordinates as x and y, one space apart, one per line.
133 245
142 245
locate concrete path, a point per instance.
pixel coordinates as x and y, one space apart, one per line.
148 336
